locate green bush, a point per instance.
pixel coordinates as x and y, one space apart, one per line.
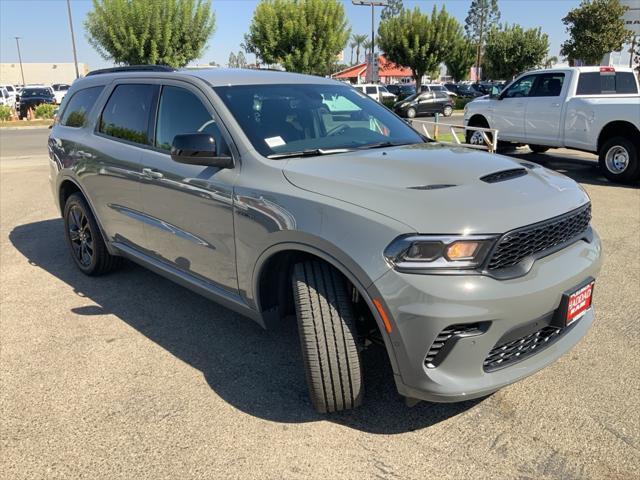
45 110
461 102
388 102
5 113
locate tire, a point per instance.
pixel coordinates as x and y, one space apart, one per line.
328 337
411 113
448 111
84 239
538 148
618 158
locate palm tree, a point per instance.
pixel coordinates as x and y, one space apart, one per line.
367 47
359 40
352 45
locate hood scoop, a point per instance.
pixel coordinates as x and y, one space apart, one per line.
504 175
436 186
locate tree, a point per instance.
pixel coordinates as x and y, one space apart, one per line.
393 9
549 62
418 41
132 32
460 59
595 28
352 45
301 35
482 16
233 61
367 47
511 50
359 39
241 61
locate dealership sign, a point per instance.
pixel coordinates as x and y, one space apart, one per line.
632 15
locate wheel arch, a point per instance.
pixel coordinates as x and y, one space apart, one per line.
271 283
618 128
478 120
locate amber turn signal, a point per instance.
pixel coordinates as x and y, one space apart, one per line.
462 250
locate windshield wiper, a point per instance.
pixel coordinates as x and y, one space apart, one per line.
313 152
382 145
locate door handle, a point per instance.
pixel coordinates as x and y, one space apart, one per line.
555 104
151 173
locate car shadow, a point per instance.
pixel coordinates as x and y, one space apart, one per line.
581 170
256 371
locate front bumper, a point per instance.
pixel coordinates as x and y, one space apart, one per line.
422 306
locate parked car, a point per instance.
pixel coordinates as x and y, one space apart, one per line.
31 97
468 90
6 98
595 109
378 92
426 103
277 193
59 91
437 88
11 90
401 90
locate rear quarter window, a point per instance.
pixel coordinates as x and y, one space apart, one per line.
78 108
597 83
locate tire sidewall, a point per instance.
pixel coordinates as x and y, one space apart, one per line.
76 201
632 172
411 113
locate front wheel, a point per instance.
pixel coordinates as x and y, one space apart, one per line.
538 148
448 111
328 337
411 113
618 157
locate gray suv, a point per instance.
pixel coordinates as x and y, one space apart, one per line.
277 194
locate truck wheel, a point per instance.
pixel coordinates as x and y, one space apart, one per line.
328 337
619 160
538 148
84 239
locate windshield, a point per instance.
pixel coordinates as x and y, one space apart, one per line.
281 119
35 92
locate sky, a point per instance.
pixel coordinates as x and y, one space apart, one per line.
44 29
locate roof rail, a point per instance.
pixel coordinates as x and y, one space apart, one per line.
132 68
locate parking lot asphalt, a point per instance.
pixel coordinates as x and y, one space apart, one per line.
131 376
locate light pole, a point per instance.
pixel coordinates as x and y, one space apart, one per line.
372 76
73 39
20 58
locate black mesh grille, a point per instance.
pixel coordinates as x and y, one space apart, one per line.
446 335
504 175
517 350
518 244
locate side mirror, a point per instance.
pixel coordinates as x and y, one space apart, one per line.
495 93
198 149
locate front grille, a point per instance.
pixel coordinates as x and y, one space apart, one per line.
517 350
516 245
447 335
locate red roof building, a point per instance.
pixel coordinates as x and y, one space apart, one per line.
387 71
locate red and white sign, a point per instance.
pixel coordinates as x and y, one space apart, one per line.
579 303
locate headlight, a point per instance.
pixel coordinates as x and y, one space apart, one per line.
404 104
430 253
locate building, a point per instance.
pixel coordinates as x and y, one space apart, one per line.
388 73
47 73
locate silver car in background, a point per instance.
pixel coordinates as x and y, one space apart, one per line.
277 194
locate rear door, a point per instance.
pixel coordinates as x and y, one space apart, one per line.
509 110
426 103
188 208
544 109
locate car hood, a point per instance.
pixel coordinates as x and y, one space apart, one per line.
436 189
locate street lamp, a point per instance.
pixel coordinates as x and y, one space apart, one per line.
73 40
372 76
20 59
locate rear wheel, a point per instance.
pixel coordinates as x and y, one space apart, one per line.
328 337
618 158
538 148
448 111
84 239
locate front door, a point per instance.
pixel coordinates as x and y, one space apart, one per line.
189 207
544 110
426 103
509 109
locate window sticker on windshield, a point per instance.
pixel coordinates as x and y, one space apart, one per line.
274 141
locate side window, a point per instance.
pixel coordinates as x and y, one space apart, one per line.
521 88
606 83
442 96
549 85
371 90
126 114
181 112
79 106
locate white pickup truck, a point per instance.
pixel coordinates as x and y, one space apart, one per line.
594 109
